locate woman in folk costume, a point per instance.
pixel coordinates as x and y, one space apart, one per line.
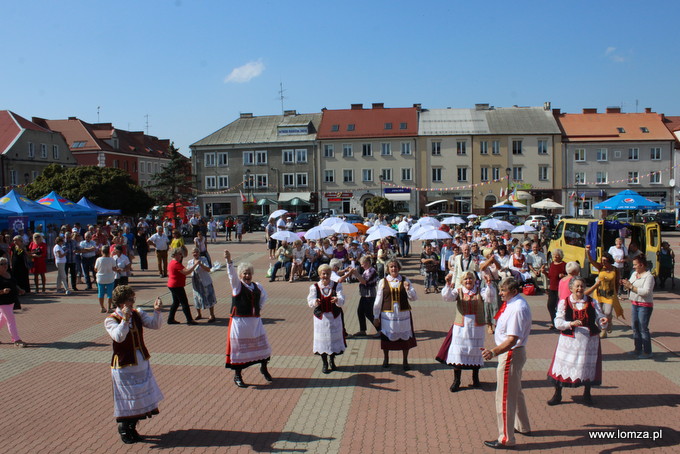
247 342
463 345
518 265
578 358
607 284
327 299
135 392
392 313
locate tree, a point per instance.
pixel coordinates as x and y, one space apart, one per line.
380 205
173 182
107 187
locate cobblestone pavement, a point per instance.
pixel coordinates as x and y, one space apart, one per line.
56 393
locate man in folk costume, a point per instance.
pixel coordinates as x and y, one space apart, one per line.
327 299
462 263
462 347
511 335
247 342
135 392
392 313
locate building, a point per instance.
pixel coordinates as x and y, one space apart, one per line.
365 153
269 159
605 153
26 148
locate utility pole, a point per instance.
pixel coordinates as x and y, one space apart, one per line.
281 97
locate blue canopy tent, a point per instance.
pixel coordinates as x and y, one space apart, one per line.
4 218
628 200
72 212
100 211
506 208
34 212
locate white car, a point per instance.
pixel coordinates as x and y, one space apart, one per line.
535 221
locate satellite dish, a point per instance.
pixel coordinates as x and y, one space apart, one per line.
671 182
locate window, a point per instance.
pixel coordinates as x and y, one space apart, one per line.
496 147
350 127
516 147
484 147
367 149
335 128
437 174
13 178
462 173
495 173
601 154
633 178
288 156
328 151
262 180
115 163
55 152
210 182
386 149
403 125
484 174
222 159
223 181
580 155
655 153
329 176
78 144
347 151
248 158
34 175
348 175
601 178
261 157
621 130
301 155
575 234
461 148
301 179
386 174
248 180
655 178
406 148
406 174
149 167
517 173
579 178
633 154
542 146
367 175
209 160
134 166
388 125
543 173
31 150
644 129
43 151
288 180
436 148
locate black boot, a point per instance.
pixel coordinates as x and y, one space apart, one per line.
332 362
324 360
475 379
557 397
265 372
456 381
239 380
135 435
125 433
587 398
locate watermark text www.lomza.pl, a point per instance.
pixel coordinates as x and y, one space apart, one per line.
626 434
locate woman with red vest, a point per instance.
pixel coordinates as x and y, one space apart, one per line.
135 392
247 342
327 299
578 358
392 313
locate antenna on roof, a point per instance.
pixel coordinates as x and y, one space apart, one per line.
98 107
147 123
637 103
281 97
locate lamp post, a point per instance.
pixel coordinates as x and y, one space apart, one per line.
249 188
508 171
382 194
576 197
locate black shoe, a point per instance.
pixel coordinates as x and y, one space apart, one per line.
125 433
192 322
239 381
135 435
455 386
386 364
495 444
173 322
265 373
406 366
331 364
556 399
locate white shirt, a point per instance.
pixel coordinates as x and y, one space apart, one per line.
403 227
618 254
280 225
393 282
58 259
122 261
514 321
161 242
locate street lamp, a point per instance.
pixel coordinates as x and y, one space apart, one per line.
249 188
508 171
382 178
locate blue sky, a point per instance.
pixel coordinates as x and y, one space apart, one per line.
193 66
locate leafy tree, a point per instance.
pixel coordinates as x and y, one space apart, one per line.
107 187
173 182
380 205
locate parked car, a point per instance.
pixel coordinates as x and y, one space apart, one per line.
353 218
305 221
536 220
665 219
559 217
621 216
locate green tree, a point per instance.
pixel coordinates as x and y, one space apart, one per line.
107 187
173 182
380 205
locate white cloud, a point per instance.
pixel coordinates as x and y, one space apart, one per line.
245 73
610 50
613 55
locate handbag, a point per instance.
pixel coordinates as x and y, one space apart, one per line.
270 271
529 289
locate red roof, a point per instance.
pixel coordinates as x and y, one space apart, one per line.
613 127
76 130
11 126
376 122
672 123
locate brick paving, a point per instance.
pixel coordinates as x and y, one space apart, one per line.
56 393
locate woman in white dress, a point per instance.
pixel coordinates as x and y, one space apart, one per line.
578 358
463 345
135 392
392 313
202 285
247 342
327 299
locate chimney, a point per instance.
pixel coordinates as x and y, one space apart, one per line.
378 105
590 111
648 110
613 110
418 106
557 112
72 118
481 106
357 106
288 113
246 115
546 105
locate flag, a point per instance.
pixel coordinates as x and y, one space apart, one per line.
254 199
514 195
583 196
243 198
572 194
502 193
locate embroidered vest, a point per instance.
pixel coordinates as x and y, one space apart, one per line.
588 317
394 295
326 305
469 305
124 352
247 302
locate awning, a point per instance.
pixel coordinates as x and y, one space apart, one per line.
398 197
287 196
436 202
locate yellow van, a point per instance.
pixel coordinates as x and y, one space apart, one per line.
572 235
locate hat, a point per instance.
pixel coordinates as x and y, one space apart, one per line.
355 242
433 244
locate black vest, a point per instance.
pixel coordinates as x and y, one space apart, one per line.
589 319
247 302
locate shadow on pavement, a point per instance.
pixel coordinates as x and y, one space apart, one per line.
357 380
258 441
68 345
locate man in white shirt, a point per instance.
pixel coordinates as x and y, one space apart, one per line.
538 265
403 238
512 333
160 241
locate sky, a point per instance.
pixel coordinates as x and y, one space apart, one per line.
185 69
